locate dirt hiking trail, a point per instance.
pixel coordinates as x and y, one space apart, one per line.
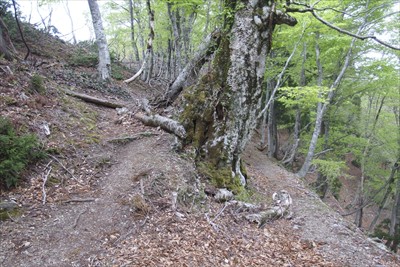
113 226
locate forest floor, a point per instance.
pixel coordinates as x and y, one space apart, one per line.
99 201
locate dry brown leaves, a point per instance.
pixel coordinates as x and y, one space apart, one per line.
167 240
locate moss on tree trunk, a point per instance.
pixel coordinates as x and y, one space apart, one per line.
220 111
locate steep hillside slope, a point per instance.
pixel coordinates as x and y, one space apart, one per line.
115 193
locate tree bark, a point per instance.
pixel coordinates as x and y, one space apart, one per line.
174 16
386 195
222 109
133 39
297 122
148 56
104 66
94 100
150 52
207 47
272 131
321 109
71 22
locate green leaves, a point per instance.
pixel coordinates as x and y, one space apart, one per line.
305 97
16 152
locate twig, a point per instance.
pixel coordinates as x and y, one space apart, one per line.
20 31
214 226
220 212
62 165
77 218
44 185
130 231
11 218
79 200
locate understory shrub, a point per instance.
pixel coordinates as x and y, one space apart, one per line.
16 153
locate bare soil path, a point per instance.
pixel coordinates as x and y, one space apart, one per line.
119 228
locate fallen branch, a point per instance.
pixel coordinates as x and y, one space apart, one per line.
62 166
79 200
44 186
127 139
94 100
281 207
77 218
164 123
214 226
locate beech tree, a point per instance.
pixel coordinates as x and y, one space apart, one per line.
220 111
104 66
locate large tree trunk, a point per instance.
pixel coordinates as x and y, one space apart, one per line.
104 66
221 110
6 46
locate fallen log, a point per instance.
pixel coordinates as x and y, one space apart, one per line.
164 123
281 208
94 100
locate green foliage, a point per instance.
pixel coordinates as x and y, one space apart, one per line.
306 97
86 55
332 170
16 153
37 84
382 232
84 58
117 71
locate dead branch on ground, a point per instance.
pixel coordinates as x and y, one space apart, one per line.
77 218
94 100
79 200
46 176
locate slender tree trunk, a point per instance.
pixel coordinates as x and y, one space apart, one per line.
386 195
147 65
207 18
394 230
272 131
176 30
6 46
322 107
207 48
169 61
297 121
104 66
221 111
150 62
322 183
367 149
133 38
71 21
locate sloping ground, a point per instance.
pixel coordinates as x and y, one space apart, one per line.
117 229
94 214
111 231
334 238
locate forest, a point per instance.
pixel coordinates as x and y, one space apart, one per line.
309 87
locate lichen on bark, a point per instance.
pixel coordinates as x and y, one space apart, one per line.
220 111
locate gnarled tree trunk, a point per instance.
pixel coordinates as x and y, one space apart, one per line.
221 109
